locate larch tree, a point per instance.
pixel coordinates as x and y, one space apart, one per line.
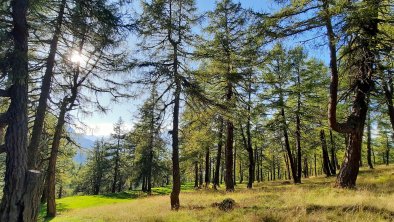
353 33
227 33
167 25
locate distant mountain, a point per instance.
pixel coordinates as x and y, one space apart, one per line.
86 142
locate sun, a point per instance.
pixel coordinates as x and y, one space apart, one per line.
77 57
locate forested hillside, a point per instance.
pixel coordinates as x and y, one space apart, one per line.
236 110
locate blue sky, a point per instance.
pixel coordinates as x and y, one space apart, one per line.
101 124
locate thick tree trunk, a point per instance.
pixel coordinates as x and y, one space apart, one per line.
348 174
22 187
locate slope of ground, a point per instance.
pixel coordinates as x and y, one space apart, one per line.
314 200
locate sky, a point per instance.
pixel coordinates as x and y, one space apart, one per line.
101 125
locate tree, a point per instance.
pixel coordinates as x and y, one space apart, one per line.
359 22
168 25
80 70
277 75
150 147
227 32
17 192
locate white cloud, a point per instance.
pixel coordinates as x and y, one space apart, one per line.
102 129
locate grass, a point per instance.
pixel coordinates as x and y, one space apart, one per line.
314 200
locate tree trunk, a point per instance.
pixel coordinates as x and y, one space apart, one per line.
354 125
298 131
22 187
250 155
235 164
326 160
176 185
116 170
258 165
34 146
287 146
229 146
388 92
207 170
387 150
219 154
196 174
51 174
348 174
241 173
369 145
249 147
60 193
315 163
200 184
287 166
334 159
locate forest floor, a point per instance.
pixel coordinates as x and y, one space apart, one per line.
314 200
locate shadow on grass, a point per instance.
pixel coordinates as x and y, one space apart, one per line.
123 195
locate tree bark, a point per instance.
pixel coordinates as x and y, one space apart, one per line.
298 131
207 170
22 190
116 168
51 174
250 153
287 146
388 92
176 185
235 165
219 154
195 174
326 160
369 141
387 150
229 145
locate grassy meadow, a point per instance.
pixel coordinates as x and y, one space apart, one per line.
314 200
